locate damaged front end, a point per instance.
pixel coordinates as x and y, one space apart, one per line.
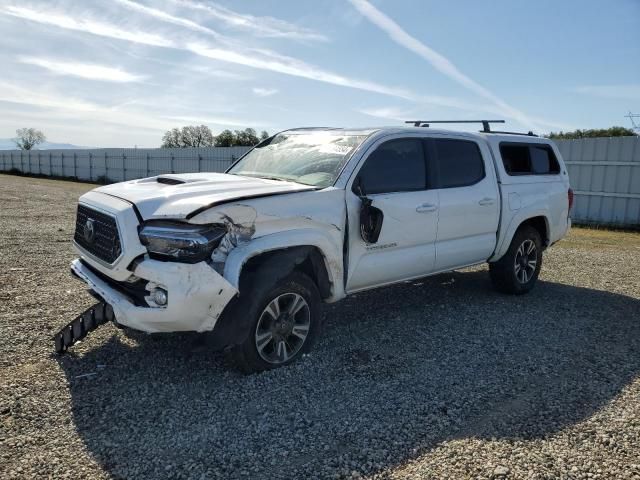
192 243
182 289
236 235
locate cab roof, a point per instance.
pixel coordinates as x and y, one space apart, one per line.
491 137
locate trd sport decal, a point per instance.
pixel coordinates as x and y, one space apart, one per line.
380 247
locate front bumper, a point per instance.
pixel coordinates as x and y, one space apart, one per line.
197 295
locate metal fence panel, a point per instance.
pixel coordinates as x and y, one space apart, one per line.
605 177
119 164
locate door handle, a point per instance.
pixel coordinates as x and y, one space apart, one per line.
426 208
487 201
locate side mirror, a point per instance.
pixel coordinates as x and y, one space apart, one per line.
371 218
370 221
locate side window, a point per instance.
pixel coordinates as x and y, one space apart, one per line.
515 158
395 166
458 163
543 161
528 159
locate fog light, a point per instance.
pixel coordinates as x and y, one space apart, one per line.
159 296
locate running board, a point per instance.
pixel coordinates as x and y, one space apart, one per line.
84 323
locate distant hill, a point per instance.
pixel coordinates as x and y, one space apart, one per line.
8 144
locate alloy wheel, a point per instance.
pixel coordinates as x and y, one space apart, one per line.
282 328
526 261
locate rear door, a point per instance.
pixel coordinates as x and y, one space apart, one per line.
464 177
394 176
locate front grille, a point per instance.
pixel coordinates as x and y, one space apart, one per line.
104 241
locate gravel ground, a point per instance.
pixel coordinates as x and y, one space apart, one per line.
441 378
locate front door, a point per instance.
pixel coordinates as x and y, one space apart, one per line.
394 177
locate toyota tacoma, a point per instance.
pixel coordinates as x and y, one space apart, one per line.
312 215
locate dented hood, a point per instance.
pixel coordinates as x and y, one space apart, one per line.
184 195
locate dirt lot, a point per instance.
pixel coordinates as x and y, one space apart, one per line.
441 378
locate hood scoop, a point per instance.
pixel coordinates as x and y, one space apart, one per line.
170 180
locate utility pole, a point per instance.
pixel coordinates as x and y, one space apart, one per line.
635 125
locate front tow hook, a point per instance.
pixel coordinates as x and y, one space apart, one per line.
84 323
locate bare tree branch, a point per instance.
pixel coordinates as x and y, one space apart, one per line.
27 138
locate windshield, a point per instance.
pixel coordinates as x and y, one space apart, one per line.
310 158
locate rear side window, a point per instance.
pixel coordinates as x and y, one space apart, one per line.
515 158
543 161
395 166
528 159
458 163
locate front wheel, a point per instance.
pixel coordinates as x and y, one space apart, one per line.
285 321
517 271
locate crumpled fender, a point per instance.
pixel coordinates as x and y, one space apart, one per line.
330 249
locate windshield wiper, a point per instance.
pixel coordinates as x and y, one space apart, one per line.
270 177
266 177
289 180
274 178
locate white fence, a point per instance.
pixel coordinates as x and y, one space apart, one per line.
605 177
604 172
118 164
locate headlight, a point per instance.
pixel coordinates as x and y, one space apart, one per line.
182 242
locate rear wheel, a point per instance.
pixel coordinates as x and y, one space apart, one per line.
517 271
285 321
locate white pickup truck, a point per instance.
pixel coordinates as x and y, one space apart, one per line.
311 215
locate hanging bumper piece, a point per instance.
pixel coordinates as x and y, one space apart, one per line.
84 323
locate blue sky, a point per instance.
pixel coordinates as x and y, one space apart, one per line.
121 72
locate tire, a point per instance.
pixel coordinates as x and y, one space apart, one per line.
275 340
517 271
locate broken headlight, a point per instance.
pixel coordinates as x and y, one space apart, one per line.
182 242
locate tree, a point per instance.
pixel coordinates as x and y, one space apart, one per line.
264 135
172 139
225 139
191 136
244 138
197 136
27 138
591 133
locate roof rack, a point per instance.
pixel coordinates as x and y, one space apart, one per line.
485 123
528 134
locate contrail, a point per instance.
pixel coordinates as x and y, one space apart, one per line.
224 50
438 61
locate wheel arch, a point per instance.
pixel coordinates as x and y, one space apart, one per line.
311 253
280 262
541 224
537 220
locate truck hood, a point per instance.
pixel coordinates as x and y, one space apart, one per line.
183 196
